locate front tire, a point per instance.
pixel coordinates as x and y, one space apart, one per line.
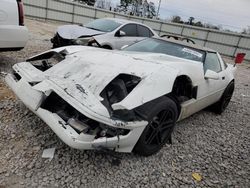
107 47
161 115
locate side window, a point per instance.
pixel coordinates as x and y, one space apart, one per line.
130 30
212 62
143 31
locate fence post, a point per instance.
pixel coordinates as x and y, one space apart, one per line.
95 13
46 10
206 39
160 28
237 46
73 13
182 29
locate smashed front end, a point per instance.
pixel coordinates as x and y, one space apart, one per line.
90 96
66 35
79 118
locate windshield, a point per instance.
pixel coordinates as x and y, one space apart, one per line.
169 48
104 25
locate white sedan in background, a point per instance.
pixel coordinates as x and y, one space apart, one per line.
126 100
13 33
109 33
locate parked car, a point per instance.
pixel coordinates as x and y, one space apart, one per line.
128 100
13 33
109 33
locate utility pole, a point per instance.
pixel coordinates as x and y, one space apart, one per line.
158 9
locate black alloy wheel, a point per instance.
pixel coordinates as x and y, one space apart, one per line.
161 116
160 128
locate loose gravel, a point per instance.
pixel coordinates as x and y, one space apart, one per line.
215 146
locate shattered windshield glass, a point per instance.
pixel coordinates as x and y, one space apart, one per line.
104 25
168 48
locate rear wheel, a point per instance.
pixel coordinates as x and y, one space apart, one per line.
161 115
222 104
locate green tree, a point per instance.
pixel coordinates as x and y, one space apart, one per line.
126 2
191 19
246 30
176 19
198 24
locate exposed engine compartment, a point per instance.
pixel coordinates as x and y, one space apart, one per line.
47 60
79 122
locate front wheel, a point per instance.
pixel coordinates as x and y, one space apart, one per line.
161 115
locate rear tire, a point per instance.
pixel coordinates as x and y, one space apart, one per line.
222 104
161 114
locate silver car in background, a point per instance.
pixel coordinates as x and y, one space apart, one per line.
109 33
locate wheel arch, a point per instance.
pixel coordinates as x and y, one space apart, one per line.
107 46
183 89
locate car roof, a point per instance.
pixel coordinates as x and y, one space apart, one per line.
122 21
194 46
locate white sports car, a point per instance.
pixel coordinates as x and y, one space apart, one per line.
127 100
109 33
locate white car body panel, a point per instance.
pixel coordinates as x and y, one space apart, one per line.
11 34
76 31
86 71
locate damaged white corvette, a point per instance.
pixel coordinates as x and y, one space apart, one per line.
124 101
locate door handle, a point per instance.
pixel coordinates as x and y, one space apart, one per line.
223 77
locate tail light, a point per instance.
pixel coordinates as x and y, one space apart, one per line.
20 12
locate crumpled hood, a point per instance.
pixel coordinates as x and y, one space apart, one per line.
76 31
86 71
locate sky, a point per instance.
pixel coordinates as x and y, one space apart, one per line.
231 14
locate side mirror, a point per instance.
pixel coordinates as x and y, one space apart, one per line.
125 46
211 75
239 58
120 33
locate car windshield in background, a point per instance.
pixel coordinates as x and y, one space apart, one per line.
104 25
169 48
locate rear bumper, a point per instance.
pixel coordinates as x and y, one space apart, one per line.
13 37
33 98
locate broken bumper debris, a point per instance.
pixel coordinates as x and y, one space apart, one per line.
101 132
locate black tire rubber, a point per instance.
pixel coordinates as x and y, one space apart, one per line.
107 47
222 104
151 111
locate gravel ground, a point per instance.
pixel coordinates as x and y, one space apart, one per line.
215 146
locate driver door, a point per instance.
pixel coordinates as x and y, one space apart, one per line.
212 87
